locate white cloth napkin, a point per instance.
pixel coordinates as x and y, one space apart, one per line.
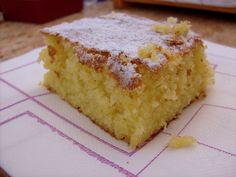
41 135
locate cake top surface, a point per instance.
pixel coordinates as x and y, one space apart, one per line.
136 38
115 33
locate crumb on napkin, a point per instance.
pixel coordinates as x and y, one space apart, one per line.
181 141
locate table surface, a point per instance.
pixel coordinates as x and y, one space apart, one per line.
17 38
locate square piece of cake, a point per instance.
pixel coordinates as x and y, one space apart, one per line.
129 75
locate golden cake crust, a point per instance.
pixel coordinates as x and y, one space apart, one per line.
112 42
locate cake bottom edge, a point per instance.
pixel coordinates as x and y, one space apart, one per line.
201 95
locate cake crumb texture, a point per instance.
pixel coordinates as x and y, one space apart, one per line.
181 141
127 78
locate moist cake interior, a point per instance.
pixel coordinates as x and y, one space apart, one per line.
127 75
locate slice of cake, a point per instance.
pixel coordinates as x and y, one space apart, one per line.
131 76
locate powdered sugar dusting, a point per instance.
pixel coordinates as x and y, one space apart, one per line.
118 34
111 33
124 73
155 63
